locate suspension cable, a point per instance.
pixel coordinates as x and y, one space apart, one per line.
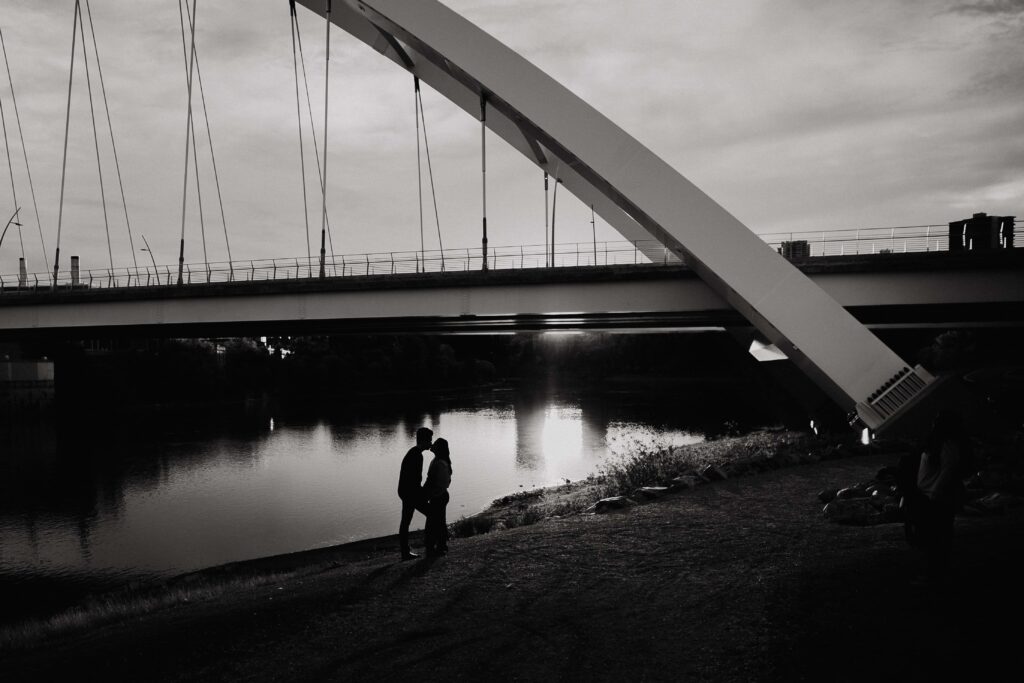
213 157
64 163
554 207
188 127
110 125
593 231
419 165
24 150
483 170
312 128
10 167
327 84
96 141
430 171
298 111
546 226
192 129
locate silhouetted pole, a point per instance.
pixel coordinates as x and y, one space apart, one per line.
546 226
323 221
483 169
554 213
188 133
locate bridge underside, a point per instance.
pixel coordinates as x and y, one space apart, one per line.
913 290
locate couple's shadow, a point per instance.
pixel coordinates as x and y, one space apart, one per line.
421 566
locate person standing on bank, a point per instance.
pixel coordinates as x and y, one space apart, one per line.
439 478
409 489
939 479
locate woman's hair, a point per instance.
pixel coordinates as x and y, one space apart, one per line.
440 449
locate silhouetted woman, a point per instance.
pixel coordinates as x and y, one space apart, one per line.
439 477
939 480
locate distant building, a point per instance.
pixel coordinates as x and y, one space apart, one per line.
981 232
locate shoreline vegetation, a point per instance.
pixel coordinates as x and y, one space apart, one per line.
645 474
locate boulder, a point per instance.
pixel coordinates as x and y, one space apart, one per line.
650 492
851 492
609 504
828 495
993 504
859 511
684 482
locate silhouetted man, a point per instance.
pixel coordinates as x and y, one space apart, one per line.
410 489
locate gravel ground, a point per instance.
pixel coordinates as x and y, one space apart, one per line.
736 580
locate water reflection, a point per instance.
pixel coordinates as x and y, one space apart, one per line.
108 503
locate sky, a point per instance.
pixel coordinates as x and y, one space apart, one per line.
794 115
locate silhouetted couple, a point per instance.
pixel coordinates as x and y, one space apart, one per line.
430 497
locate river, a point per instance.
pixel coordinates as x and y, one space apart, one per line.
118 501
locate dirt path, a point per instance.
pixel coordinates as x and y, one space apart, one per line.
736 580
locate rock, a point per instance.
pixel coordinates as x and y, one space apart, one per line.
609 504
994 503
858 511
851 492
685 481
882 500
713 473
828 495
650 492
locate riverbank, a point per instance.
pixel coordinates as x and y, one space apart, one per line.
647 472
738 579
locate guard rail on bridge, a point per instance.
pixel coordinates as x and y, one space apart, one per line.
918 238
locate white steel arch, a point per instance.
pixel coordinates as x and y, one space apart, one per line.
638 194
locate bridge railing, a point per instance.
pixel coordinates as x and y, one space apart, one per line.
916 238
891 240
347 265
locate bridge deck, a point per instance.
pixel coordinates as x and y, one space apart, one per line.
941 288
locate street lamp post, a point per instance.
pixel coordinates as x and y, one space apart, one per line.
9 224
150 251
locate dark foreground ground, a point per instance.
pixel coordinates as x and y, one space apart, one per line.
736 580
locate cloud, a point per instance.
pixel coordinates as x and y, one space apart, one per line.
990 7
791 113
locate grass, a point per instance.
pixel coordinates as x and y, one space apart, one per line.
131 602
735 455
471 526
627 473
647 462
519 497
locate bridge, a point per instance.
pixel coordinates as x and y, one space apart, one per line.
703 267
410 293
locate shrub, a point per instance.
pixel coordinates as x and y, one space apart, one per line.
527 517
627 473
471 526
518 497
